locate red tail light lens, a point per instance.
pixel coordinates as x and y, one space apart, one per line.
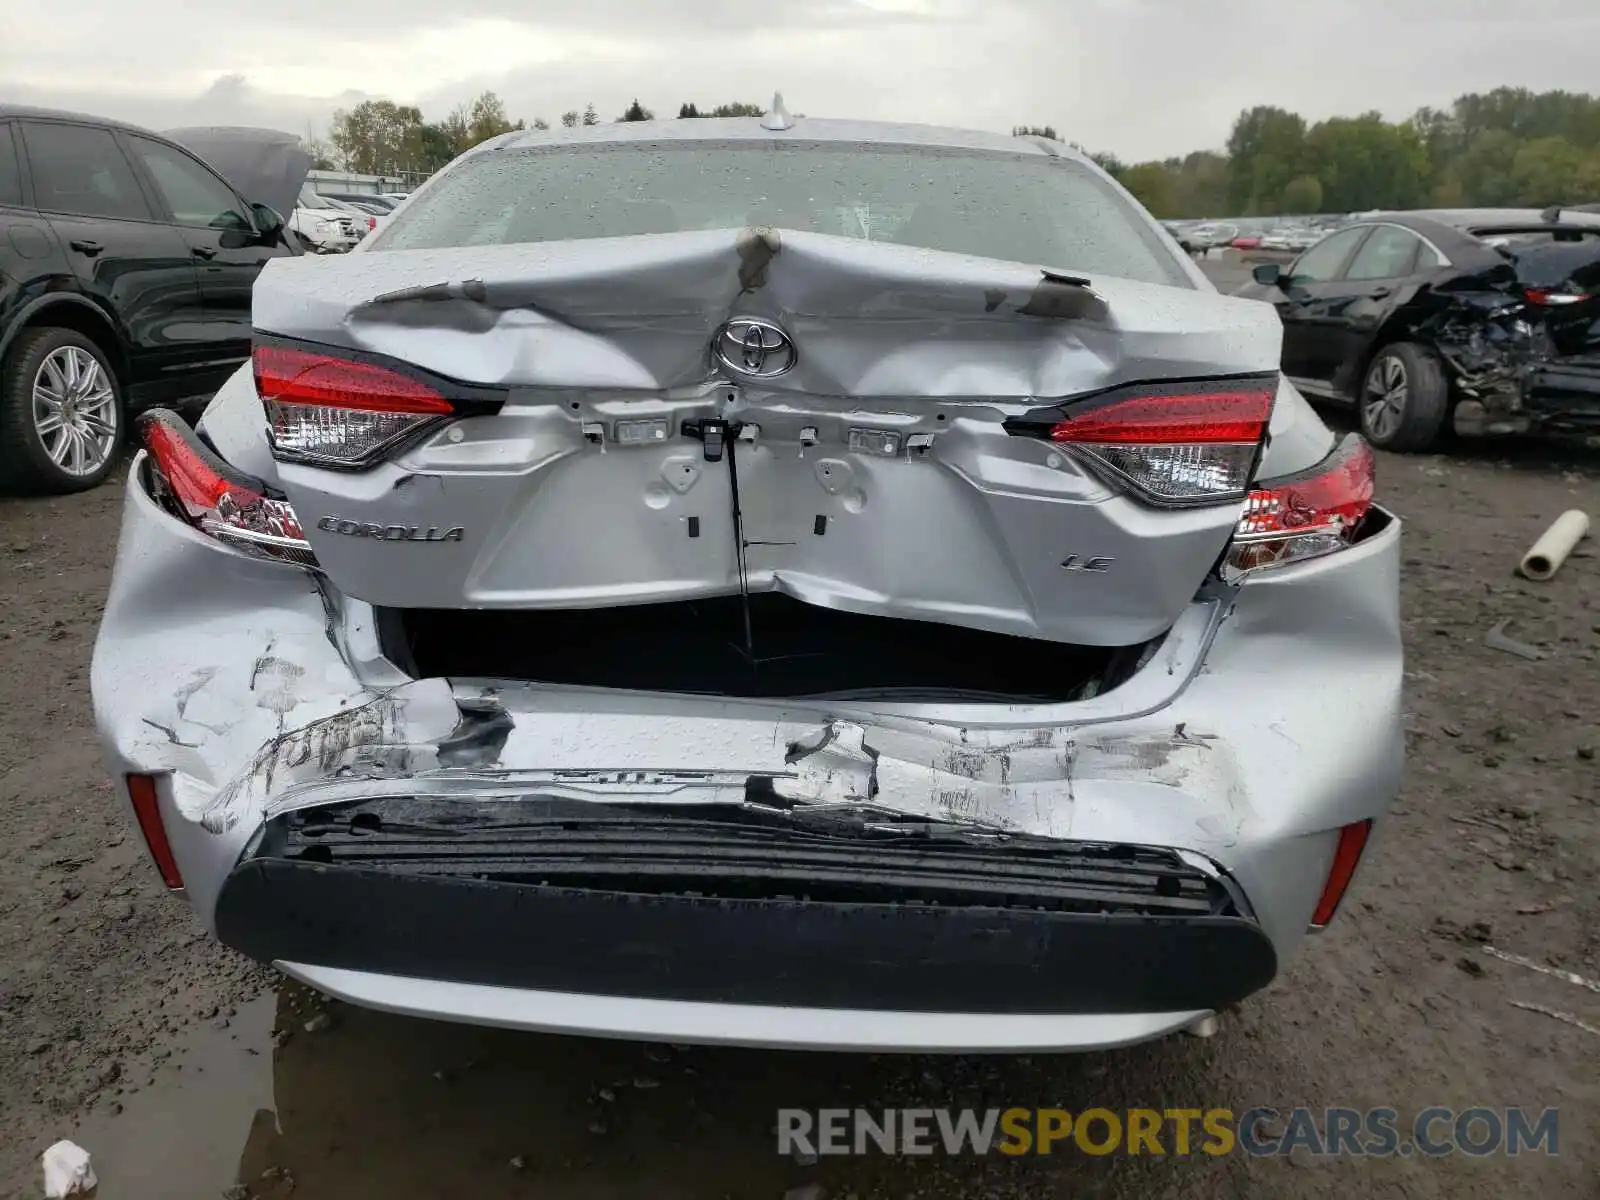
1304 516
193 484
337 412
372 223
147 811
1175 445
1346 856
1546 298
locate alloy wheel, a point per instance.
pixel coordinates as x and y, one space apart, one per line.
1384 405
75 410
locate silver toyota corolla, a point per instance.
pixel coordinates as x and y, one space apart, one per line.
774 581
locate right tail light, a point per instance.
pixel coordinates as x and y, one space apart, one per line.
1176 445
1307 515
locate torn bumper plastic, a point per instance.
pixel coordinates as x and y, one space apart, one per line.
1266 721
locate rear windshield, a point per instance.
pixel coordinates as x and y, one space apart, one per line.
1030 209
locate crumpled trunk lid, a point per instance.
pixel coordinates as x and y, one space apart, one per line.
630 464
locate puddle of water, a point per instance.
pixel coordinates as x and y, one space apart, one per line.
181 1135
390 1108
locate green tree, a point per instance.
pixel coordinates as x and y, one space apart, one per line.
1551 170
438 144
1265 151
486 118
737 109
1153 185
590 117
1303 195
569 119
1484 170
378 137
1044 131
1202 180
1109 163
540 123
637 112
1366 162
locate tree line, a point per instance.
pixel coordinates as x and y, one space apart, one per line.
380 137
1511 146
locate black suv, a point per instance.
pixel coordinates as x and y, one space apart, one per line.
126 264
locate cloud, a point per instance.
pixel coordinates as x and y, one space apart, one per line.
1142 78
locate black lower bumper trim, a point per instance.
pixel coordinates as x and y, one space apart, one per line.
606 938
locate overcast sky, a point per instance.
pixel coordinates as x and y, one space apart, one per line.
1140 78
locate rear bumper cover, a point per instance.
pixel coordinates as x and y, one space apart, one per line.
1250 738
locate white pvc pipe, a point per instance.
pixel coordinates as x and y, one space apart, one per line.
1544 557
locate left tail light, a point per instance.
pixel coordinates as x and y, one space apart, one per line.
331 411
196 486
1303 516
1174 445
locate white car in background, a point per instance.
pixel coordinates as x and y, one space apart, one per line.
327 226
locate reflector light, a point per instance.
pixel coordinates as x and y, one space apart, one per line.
193 484
1180 445
332 411
1346 855
1306 516
147 811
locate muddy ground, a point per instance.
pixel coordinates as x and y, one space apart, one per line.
122 1028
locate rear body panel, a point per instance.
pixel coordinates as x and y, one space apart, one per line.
874 476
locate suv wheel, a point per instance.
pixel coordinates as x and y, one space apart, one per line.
62 423
1404 398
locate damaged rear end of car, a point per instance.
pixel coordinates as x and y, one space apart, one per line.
759 633
1516 324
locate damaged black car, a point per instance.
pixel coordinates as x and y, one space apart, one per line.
1480 321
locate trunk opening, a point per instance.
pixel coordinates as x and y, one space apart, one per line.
801 650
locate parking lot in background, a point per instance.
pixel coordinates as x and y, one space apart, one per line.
188 1072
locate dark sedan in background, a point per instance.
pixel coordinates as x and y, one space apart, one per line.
1484 321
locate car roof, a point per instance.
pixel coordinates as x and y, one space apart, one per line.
1468 219
29 112
804 129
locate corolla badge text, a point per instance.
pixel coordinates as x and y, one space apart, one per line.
391 533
